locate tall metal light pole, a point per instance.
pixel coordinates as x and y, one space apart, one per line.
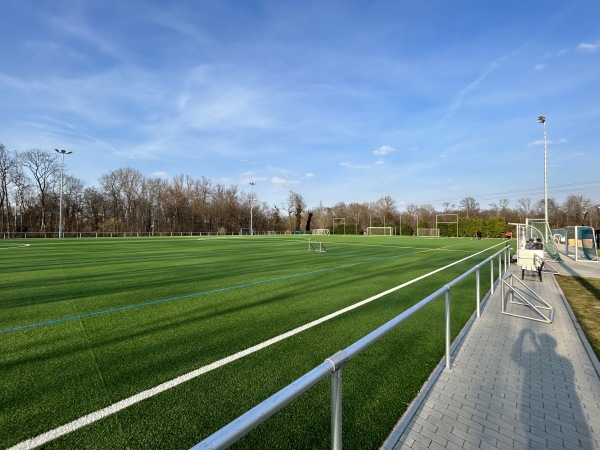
62 171
542 120
251 206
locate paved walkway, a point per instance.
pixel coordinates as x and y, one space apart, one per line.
514 382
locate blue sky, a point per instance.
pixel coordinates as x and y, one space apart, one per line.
339 101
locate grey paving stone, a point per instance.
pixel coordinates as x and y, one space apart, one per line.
514 383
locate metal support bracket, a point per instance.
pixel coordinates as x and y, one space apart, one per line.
526 296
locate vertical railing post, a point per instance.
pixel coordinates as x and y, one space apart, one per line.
502 294
492 276
499 266
336 409
477 288
448 362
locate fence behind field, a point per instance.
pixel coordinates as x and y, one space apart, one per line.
118 234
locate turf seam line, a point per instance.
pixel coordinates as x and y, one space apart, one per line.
88 419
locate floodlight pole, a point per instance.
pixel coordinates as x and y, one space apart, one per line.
251 206
542 120
62 172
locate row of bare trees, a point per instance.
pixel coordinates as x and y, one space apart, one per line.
126 201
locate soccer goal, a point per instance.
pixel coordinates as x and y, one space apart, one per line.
428 232
316 247
320 231
448 223
379 231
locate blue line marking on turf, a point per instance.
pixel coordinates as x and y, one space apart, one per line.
196 294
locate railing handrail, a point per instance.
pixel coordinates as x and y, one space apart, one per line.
236 429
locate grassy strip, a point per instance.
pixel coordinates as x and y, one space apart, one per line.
583 295
54 373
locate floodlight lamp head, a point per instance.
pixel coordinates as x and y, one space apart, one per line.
542 119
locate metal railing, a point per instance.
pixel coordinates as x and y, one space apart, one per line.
334 366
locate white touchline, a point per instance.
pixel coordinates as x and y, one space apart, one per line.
15 246
122 404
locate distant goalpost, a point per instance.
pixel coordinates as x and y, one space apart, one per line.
379 231
450 221
339 221
320 231
428 232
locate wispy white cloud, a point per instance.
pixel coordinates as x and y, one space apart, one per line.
460 96
279 170
282 182
212 102
348 165
383 150
548 142
589 46
74 26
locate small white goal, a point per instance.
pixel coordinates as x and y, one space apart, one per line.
379 231
316 247
320 231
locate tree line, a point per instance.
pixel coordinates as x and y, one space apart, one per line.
126 201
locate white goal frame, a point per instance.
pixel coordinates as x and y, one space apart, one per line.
316 247
428 232
339 221
448 219
385 231
321 231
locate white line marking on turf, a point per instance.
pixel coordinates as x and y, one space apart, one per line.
15 246
88 419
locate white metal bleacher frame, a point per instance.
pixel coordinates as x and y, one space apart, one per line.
507 284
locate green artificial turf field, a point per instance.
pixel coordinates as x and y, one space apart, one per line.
88 323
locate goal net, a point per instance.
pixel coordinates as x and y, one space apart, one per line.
320 231
316 247
428 232
379 231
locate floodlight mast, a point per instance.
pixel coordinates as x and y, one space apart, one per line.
62 172
542 120
252 184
